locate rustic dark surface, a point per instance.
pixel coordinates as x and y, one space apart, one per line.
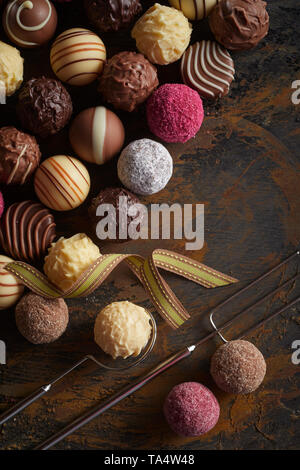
244 166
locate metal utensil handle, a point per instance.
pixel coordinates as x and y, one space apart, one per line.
23 404
116 398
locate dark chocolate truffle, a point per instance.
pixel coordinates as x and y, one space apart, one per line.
19 156
127 80
112 15
112 196
27 229
44 106
41 320
239 24
238 367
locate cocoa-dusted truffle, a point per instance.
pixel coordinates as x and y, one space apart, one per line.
127 80
122 202
112 15
44 106
238 367
239 24
41 320
19 155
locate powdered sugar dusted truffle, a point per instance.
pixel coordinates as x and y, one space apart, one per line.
145 166
191 409
238 367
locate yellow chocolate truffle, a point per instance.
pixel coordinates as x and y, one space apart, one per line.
162 34
11 288
194 9
122 329
68 258
11 68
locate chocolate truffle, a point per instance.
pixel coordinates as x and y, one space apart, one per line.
26 230
238 367
145 166
207 68
19 156
41 320
97 134
128 79
29 23
123 203
122 329
11 70
68 258
239 24
112 15
62 183
2 205
11 288
44 106
191 409
77 56
194 9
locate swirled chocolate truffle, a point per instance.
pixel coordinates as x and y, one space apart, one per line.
19 156
112 15
44 106
127 80
239 24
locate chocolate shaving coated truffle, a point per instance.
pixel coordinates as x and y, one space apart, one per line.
239 24
112 15
127 80
44 106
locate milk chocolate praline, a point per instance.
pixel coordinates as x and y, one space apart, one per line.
112 15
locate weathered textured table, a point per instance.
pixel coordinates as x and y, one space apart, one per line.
244 166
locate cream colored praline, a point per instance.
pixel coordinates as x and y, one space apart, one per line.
122 329
11 288
162 34
68 258
11 68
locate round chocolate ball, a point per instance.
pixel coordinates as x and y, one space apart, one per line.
19 156
239 24
112 15
145 166
97 134
44 106
238 367
29 23
128 79
41 320
191 409
126 213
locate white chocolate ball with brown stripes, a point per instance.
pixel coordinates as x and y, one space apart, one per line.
62 183
96 135
77 56
11 288
194 9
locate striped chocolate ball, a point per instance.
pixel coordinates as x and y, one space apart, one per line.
77 56
11 288
62 183
97 134
194 9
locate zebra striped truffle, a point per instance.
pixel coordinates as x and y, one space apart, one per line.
194 9
77 56
97 134
10 288
62 183
26 230
207 68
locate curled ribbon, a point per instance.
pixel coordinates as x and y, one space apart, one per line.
162 296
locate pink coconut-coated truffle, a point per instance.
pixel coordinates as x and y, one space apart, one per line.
1 204
191 409
175 112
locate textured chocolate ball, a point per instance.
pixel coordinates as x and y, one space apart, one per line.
41 320
238 367
239 24
128 79
19 156
112 15
44 106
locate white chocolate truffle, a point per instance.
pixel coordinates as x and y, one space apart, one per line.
68 258
11 69
122 329
11 288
